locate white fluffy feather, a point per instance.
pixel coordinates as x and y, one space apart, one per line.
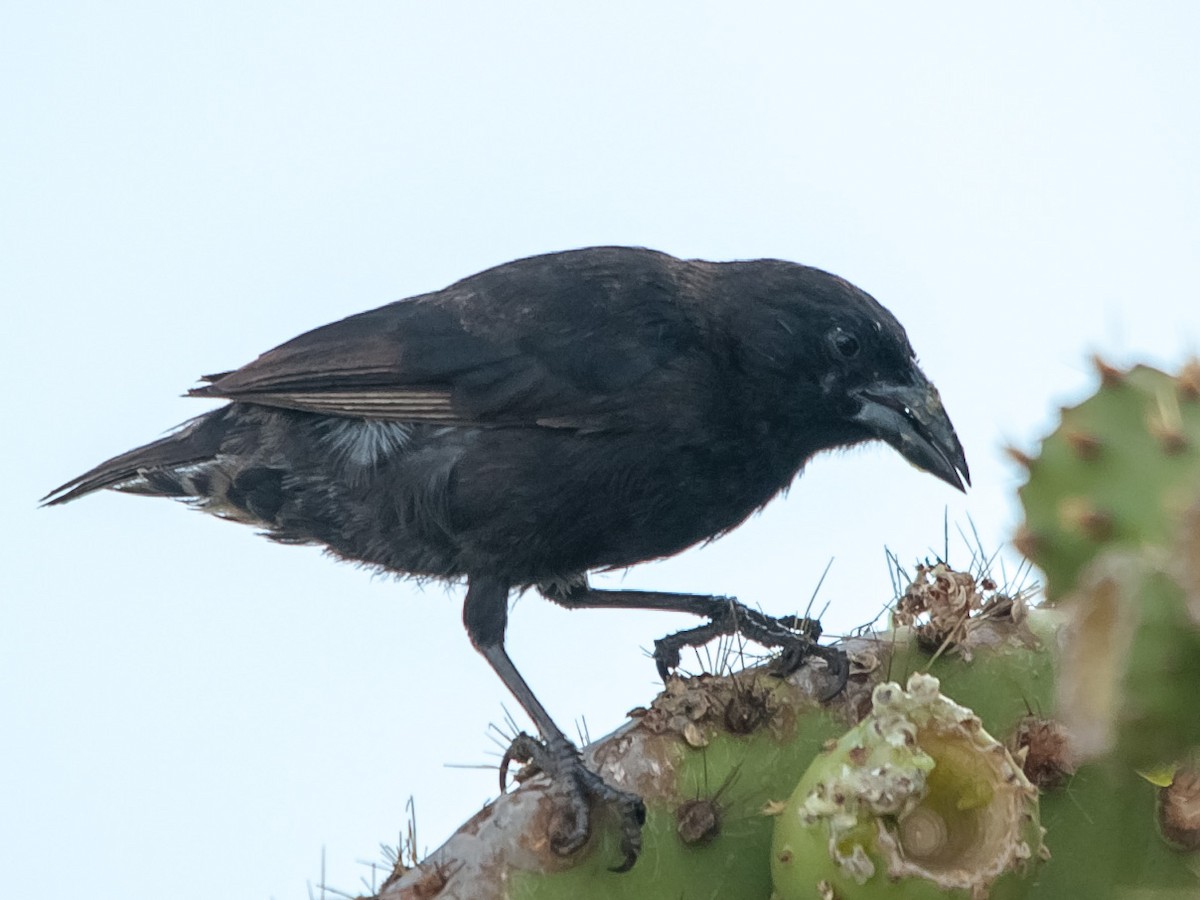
364 442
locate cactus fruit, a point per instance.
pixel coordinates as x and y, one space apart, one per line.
916 801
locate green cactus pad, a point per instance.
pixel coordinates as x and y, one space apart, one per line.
1131 662
1119 470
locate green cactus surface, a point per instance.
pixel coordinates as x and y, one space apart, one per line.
1120 470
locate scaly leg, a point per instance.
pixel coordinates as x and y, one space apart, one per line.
795 636
485 614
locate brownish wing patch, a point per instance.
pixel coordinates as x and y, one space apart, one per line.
391 404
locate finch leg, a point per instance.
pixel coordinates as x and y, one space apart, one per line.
485 613
795 636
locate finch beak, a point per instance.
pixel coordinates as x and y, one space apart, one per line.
910 417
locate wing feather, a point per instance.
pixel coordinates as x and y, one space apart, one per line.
563 341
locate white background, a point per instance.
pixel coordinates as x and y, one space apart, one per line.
189 711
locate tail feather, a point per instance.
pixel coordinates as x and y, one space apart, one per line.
144 470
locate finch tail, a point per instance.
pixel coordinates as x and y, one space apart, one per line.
159 469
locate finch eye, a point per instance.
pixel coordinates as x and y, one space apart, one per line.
844 343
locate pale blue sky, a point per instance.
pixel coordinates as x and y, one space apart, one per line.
193 712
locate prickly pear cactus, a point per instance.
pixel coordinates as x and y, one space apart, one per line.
1112 513
757 790
1040 754
1121 470
1113 520
727 765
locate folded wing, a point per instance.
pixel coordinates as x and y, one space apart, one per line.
524 344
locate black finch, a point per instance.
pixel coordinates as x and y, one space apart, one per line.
555 415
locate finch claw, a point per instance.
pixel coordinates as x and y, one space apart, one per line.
570 826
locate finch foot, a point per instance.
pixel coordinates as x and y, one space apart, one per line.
571 824
795 636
